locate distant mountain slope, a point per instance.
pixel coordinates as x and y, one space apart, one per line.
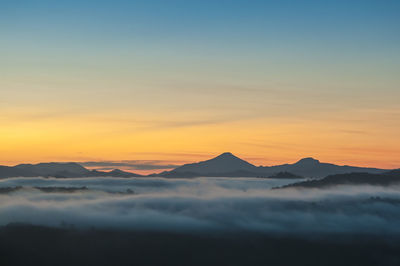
54 169
395 172
229 165
383 179
310 167
58 170
6 171
285 175
113 173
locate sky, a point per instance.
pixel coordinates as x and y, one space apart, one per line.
182 81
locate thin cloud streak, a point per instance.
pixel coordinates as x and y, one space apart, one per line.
130 164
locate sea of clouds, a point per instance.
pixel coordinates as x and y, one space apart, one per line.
199 204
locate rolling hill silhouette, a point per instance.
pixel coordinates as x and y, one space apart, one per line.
384 179
59 170
54 169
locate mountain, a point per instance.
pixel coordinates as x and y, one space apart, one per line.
113 173
58 170
395 172
6 171
383 179
222 164
229 165
286 175
310 167
54 169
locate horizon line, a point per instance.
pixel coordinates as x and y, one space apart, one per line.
148 167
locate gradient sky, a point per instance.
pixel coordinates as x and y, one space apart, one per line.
180 81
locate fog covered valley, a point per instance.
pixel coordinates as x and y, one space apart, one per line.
256 216
200 204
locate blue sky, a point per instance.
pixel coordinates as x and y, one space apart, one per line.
326 23
193 64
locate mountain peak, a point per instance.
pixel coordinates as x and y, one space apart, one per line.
226 155
225 162
308 160
116 171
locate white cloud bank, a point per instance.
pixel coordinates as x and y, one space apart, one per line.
214 204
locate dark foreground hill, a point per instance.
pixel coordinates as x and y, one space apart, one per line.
385 179
31 245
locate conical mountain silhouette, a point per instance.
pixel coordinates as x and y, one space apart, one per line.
308 161
226 162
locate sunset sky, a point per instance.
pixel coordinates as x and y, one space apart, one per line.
169 82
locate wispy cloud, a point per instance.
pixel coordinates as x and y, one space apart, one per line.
130 165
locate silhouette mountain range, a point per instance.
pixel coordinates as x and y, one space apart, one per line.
229 165
224 165
59 170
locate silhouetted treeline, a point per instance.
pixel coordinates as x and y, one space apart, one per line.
32 245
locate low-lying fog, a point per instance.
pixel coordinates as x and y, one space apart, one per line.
213 204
